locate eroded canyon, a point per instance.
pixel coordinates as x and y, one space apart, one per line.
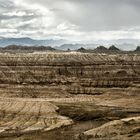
69 96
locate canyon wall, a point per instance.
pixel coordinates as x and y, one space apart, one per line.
67 74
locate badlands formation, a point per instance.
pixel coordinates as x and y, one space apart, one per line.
69 96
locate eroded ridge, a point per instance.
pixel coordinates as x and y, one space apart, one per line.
17 117
126 129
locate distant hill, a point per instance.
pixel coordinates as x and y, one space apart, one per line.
113 49
27 48
81 49
101 49
137 49
76 46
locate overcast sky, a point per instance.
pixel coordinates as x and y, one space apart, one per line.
87 20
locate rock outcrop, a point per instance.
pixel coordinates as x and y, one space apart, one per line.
124 129
27 116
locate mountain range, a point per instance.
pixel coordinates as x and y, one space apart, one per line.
99 49
124 44
30 42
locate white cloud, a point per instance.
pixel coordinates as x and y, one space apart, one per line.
19 14
8 30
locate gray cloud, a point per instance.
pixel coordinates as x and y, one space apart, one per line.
16 19
103 14
96 14
72 18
